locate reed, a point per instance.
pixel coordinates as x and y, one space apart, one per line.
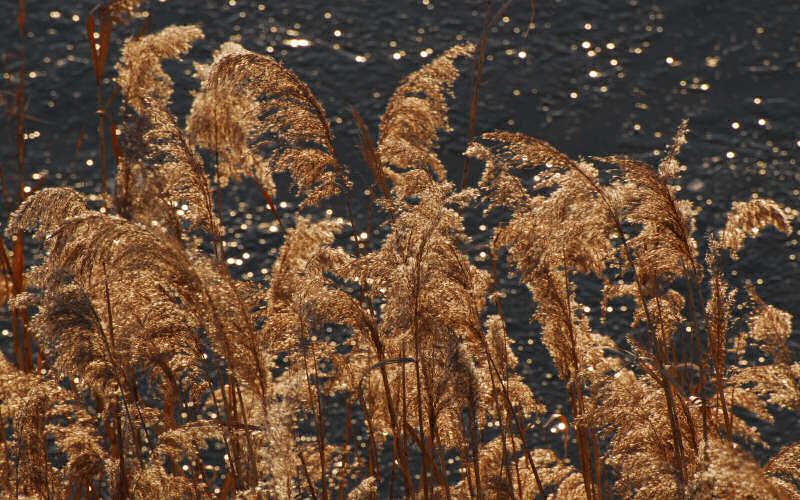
161 374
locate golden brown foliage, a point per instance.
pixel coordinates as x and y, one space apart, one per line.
163 375
409 129
262 120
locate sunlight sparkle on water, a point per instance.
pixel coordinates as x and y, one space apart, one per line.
297 42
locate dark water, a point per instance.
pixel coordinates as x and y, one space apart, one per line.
592 77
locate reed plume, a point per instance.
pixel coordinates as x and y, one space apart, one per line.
263 120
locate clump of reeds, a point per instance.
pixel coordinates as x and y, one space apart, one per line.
162 375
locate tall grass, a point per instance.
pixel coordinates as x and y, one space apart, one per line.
163 375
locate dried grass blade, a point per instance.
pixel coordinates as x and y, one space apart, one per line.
426 456
98 73
500 13
371 156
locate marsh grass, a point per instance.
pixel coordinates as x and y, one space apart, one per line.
160 374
